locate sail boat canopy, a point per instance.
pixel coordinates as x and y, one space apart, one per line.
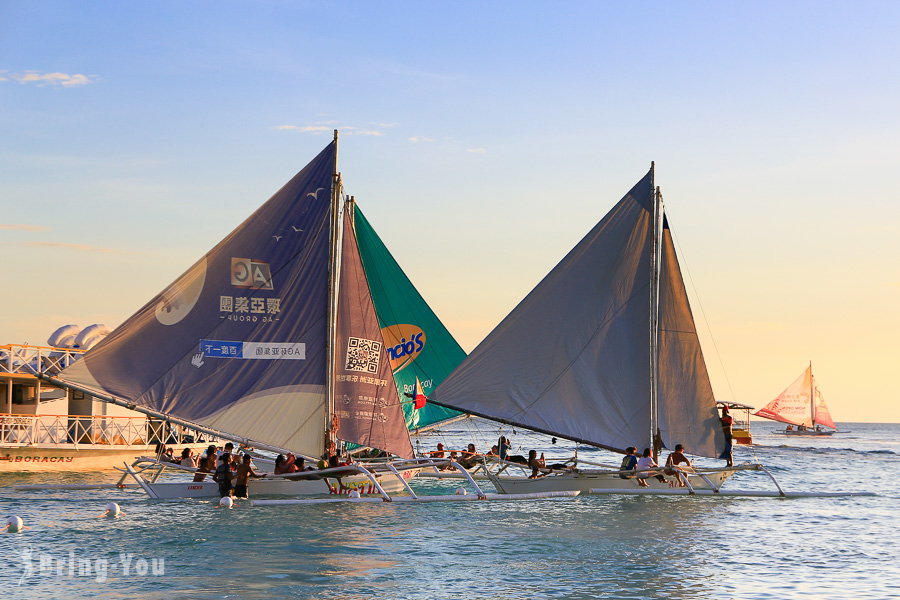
573 358
238 343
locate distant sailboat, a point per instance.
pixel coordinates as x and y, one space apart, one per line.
802 406
603 351
270 339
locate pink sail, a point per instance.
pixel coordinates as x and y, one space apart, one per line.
794 406
823 417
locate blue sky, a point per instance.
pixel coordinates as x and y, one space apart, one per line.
483 140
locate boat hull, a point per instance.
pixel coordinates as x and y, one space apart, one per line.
283 487
807 433
585 481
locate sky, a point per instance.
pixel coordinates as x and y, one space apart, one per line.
483 141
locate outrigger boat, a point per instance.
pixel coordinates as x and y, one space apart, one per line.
271 340
603 352
802 407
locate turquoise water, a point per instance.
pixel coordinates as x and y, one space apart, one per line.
587 547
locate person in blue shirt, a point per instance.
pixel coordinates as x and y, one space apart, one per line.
629 463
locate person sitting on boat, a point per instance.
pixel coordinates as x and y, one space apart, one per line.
629 462
537 464
503 446
727 421
244 473
469 457
204 467
439 453
285 465
646 462
187 458
229 449
504 452
677 458
223 475
159 450
789 428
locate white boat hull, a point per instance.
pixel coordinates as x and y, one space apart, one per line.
585 481
283 487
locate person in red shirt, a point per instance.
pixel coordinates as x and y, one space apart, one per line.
727 421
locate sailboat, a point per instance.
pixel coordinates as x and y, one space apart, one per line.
802 406
603 352
271 340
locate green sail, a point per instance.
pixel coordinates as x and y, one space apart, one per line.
416 341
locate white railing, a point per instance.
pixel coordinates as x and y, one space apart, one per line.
98 430
16 359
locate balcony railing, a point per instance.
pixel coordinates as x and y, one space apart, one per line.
16 359
98 430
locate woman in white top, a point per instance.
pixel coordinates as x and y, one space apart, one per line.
646 462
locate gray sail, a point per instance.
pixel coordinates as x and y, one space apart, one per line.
687 407
572 359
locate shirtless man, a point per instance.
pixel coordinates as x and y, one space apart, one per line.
244 473
677 458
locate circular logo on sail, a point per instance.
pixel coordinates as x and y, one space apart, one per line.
179 298
403 343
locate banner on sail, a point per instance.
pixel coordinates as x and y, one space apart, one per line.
256 350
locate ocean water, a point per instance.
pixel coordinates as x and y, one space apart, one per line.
584 547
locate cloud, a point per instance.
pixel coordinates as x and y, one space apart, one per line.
76 247
476 150
415 139
354 131
41 79
315 129
329 127
15 227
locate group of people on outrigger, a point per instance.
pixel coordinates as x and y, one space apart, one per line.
232 471
643 466
470 458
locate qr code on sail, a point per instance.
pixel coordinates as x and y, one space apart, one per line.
362 355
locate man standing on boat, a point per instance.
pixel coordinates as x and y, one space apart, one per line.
727 421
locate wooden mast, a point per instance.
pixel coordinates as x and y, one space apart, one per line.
334 271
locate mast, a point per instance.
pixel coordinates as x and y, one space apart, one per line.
812 397
331 330
655 441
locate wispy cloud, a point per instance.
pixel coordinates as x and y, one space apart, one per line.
16 227
314 129
75 247
41 79
420 138
476 150
376 130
